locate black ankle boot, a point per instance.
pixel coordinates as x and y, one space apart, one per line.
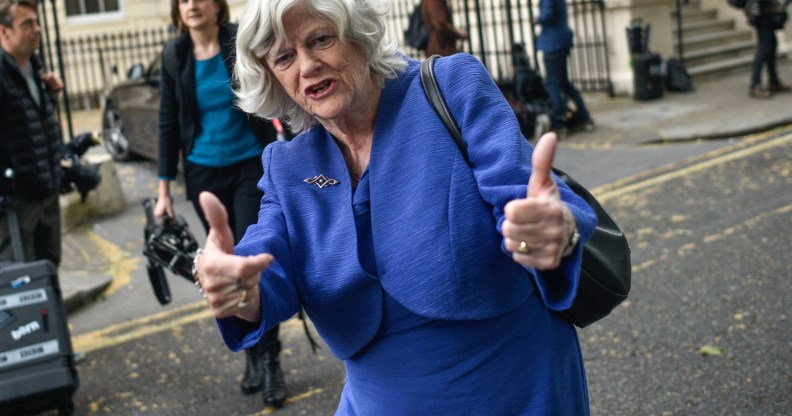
254 369
274 385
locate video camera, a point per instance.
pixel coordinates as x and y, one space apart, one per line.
168 245
84 177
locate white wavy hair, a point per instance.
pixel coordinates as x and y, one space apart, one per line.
358 22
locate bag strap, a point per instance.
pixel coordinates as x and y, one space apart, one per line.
605 271
437 100
435 96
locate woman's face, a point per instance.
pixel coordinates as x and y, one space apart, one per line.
328 78
198 14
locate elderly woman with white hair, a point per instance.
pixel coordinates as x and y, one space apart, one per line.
437 282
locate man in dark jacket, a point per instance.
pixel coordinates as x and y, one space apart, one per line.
30 138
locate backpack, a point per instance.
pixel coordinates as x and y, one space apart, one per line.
677 77
416 34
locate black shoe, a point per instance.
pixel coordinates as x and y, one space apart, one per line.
274 384
253 381
759 92
588 126
779 87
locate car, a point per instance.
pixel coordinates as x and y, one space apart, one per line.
130 114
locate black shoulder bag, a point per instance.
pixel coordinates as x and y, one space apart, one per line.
605 272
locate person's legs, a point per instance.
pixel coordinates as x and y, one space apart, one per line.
23 215
47 237
764 36
39 229
774 84
262 368
246 197
236 188
198 179
569 89
756 68
6 243
772 48
555 64
274 383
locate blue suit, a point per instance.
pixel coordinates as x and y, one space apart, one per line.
428 239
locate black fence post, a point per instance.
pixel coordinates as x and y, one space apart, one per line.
59 52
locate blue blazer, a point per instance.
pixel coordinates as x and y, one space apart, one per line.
435 221
556 34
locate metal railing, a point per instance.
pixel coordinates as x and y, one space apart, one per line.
91 65
96 63
496 25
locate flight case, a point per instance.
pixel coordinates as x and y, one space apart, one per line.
37 370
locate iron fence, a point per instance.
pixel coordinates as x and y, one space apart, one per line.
95 63
495 26
91 65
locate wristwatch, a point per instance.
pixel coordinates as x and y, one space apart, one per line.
573 240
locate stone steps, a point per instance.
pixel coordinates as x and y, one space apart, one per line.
712 46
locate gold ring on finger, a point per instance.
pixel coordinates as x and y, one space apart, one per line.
243 301
523 248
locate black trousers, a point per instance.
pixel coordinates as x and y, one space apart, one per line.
237 188
559 88
39 227
766 48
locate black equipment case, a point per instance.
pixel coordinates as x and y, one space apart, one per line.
648 76
37 371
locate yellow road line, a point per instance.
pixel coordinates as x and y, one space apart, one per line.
306 395
138 328
606 192
747 223
148 325
121 265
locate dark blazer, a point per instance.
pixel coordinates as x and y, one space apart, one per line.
435 222
178 125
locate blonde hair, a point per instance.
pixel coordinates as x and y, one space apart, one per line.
358 22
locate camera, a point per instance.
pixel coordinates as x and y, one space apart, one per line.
168 245
76 174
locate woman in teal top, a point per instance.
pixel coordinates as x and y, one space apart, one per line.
220 146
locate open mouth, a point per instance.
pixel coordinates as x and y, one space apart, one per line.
319 88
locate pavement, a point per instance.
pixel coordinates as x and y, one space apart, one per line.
718 108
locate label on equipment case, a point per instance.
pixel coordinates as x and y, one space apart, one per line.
30 352
29 297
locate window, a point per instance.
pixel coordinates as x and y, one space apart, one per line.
91 7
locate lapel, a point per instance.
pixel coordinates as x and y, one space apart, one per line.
186 74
